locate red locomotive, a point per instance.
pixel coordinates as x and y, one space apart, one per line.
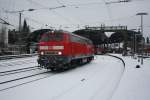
61 50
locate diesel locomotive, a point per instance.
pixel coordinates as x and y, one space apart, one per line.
62 50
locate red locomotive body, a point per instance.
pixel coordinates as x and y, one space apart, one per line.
60 50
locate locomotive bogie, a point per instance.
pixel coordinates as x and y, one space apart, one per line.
50 62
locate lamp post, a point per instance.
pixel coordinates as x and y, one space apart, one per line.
133 42
141 14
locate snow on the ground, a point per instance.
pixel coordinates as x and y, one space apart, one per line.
94 81
102 79
135 83
18 63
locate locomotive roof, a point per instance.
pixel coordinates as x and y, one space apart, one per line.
62 31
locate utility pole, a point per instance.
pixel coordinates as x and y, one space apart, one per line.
142 51
21 11
20 15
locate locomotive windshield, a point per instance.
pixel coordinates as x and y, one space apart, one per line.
53 36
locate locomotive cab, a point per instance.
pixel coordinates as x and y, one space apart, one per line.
52 50
51 44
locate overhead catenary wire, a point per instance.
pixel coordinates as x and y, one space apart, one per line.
84 4
20 11
5 22
58 1
43 7
33 20
33 2
108 10
116 19
79 4
28 18
66 18
55 12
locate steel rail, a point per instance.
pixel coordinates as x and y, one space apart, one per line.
10 72
7 88
17 69
4 82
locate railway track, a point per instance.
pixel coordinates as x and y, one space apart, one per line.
18 70
79 83
124 67
16 56
22 77
23 83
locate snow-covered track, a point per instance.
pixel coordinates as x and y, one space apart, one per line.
23 83
23 77
98 79
6 57
119 79
15 71
117 58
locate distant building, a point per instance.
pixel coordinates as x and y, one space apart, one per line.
12 36
3 36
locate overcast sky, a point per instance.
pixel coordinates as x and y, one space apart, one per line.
77 13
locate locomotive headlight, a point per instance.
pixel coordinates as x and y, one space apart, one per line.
42 53
59 53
